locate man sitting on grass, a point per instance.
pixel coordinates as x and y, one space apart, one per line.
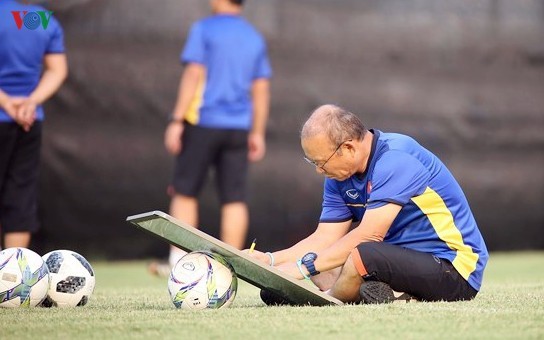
415 232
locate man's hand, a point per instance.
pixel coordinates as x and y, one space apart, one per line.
256 146
291 269
10 104
172 137
26 113
259 256
21 109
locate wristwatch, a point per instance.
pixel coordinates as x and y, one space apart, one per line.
308 261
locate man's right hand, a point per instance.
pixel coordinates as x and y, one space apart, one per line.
26 113
258 255
172 137
20 109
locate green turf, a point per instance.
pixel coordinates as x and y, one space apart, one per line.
130 304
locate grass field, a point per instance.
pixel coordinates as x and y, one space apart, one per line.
130 304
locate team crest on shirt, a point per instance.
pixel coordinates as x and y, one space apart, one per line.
368 187
352 193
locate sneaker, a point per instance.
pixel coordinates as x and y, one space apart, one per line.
379 292
272 299
160 269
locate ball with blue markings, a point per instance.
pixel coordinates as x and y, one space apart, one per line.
24 278
202 280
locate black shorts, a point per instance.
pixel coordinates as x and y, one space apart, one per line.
422 275
19 170
203 148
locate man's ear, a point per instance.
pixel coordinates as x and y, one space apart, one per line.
348 146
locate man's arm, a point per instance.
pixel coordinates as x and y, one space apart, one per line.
192 75
10 104
323 237
375 224
260 93
54 74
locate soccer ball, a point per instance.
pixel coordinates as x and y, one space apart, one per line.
72 279
202 280
24 278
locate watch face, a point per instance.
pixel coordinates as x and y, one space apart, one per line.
309 257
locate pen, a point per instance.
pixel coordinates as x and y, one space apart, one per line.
252 246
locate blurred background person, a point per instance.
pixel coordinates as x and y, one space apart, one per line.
32 68
219 119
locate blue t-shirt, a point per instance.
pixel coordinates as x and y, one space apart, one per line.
435 216
24 40
234 55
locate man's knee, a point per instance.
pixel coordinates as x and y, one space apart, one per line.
360 255
352 268
345 273
367 249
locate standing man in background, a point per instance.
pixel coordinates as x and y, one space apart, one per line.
219 119
32 68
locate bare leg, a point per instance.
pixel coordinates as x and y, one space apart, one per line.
234 224
346 288
325 280
185 209
17 239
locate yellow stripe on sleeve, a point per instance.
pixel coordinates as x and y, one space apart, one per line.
432 205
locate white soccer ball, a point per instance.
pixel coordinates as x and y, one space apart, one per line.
202 280
24 278
72 279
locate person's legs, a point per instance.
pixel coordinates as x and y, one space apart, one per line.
325 280
19 168
17 239
8 138
190 171
185 209
422 275
346 287
234 224
232 167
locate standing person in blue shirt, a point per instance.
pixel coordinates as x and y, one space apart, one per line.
220 117
414 232
32 68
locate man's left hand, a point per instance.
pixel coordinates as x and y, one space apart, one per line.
256 146
26 113
291 269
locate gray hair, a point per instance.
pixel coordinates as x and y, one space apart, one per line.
336 122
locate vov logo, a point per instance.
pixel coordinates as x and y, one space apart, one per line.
31 20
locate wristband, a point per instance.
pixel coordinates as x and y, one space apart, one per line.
271 256
299 265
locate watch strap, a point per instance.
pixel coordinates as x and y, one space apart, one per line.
299 265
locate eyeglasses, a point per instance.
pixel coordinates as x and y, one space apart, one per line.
322 166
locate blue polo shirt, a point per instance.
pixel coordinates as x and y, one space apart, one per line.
435 216
23 45
234 55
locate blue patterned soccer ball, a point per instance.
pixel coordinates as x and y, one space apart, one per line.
24 278
72 279
202 280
